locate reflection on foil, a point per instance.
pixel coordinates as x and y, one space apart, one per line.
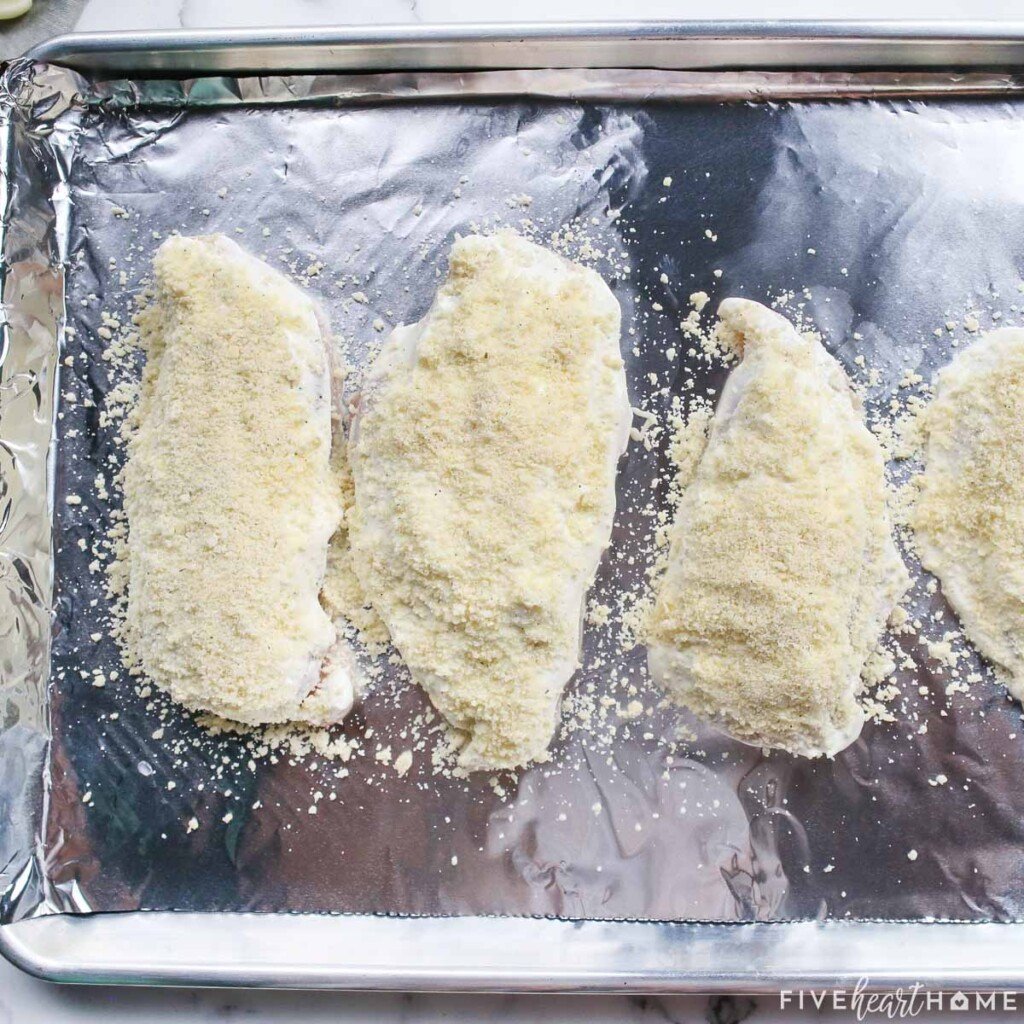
910 208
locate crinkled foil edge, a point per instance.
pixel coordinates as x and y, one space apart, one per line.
40 110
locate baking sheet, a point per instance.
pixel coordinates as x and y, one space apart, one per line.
893 215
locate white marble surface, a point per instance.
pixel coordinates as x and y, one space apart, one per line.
124 14
107 14
24 1000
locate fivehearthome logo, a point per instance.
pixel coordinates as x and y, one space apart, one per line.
898 1003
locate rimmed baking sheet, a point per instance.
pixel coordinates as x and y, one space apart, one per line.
885 217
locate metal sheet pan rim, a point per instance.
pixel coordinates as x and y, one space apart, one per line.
560 956
667 44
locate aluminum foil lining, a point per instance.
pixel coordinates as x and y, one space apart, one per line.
887 204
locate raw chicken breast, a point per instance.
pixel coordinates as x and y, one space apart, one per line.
229 495
781 570
484 454
969 519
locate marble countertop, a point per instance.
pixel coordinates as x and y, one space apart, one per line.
24 1000
208 13
51 16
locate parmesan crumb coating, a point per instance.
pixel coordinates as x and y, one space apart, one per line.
781 569
484 455
228 491
969 518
